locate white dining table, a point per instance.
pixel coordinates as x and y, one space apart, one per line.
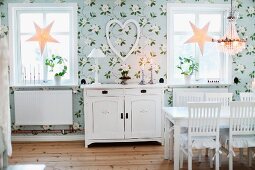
177 117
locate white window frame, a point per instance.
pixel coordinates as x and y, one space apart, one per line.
15 61
173 8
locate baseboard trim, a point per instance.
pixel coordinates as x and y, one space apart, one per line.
47 138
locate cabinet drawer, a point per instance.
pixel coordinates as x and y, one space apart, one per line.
105 92
142 91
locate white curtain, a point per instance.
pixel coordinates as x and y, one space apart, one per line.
5 117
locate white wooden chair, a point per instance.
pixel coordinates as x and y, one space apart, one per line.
241 130
249 97
223 98
181 99
203 130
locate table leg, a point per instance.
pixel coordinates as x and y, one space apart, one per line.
176 145
166 139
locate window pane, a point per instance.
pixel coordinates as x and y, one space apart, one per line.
61 21
210 62
31 59
214 19
181 22
27 22
181 49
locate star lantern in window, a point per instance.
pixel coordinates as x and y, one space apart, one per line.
200 36
43 36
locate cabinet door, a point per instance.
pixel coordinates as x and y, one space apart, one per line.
105 119
143 116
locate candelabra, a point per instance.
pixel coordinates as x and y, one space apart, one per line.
142 82
151 79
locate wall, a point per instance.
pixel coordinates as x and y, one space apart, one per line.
151 15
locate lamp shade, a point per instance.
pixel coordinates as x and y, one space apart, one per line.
96 53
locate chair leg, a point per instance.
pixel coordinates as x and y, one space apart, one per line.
220 159
210 154
217 164
249 157
200 155
206 152
189 161
241 154
181 159
230 161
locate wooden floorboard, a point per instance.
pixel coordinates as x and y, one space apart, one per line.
114 156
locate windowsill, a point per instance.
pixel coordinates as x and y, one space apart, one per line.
44 85
194 83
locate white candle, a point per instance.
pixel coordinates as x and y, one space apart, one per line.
151 61
25 72
253 84
142 66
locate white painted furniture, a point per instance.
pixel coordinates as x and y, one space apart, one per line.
179 116
203 130
241 130
223 98
123 113
183 95
247 96
182 98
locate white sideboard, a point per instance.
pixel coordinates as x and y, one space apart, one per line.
123 113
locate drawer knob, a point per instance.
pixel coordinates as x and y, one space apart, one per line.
104 92
143 91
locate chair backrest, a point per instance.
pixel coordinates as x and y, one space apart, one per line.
182 98
242 118
204 118
223 98
247 97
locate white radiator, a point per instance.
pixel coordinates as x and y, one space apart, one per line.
53 107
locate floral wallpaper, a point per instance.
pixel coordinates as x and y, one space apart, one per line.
93 16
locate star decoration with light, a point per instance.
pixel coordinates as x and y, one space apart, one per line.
200 36
43 36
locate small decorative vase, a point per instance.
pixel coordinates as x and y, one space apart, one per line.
124 80
187 79
57 80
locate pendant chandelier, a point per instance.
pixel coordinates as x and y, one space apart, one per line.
231 43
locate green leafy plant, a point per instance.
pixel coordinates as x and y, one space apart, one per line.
187 65
55 60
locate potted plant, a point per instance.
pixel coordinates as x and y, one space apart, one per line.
187 66
124 69
57 65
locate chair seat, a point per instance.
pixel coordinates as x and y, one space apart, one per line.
239 141
26 167
198 142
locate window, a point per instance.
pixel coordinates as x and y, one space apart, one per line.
28 63
213 65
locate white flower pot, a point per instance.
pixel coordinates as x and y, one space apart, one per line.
187 79
57 80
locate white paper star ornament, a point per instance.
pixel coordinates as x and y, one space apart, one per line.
200 36
43 36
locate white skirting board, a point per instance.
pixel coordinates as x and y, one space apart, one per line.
48 107
40 138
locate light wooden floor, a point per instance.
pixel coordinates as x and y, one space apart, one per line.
73 155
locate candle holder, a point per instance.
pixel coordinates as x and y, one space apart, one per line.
142 82
151 79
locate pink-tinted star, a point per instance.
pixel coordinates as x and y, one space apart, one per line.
200 36
43 36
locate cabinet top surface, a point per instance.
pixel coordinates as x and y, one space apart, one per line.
120 86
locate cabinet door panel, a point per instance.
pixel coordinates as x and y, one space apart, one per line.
145 116
106 117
